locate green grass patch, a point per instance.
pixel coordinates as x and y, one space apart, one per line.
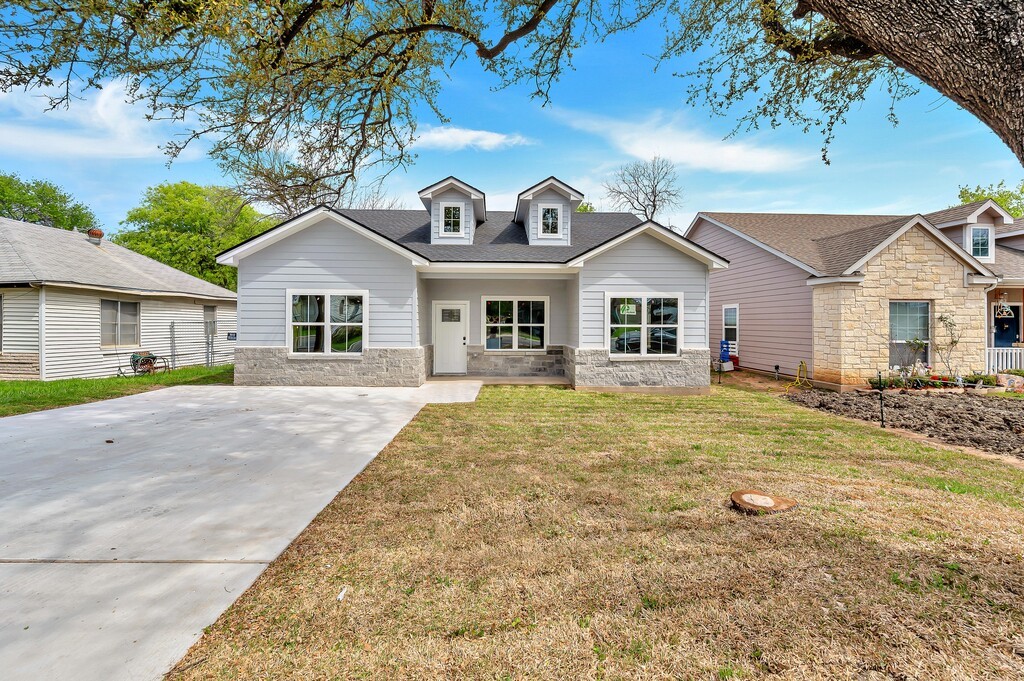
22 397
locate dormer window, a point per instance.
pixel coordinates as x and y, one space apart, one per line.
550 221
451 219
981 242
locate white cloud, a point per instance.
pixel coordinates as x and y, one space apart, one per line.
451 138
684 144
104 126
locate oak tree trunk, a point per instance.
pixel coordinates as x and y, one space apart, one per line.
972 51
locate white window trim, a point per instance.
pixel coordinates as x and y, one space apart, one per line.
969 238
515 314
117 345
931 330
643 326
736 344
288 323
462 220
540 221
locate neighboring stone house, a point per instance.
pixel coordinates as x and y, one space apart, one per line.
78 306
844 293
392 297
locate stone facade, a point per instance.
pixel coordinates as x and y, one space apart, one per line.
375 367
851 320
515 362
19 366
593 368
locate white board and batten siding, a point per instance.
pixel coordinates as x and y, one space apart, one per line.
326 256
642 265
548 198
72 333
468 218
775 302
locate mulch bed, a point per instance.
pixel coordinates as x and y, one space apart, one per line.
992 424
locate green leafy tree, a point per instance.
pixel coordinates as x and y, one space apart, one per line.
329 88
43 203
185 226
585 207
1010 198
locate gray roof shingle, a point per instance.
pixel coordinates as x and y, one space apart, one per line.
31 253
499 239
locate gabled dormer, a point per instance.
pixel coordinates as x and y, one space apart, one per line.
455 208
545 211
974 226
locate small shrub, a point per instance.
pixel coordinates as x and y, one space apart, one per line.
985 379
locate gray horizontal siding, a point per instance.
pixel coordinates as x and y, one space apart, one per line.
549 196
468 218
326 256
776 309
19 326
642 265
73 333
473 289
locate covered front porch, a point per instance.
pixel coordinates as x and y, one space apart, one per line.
1004 346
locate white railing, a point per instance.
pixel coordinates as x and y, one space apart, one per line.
1001 359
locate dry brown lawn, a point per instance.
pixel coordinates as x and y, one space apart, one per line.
544 533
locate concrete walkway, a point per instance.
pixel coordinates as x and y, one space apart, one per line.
127 526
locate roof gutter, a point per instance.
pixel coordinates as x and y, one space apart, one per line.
153 293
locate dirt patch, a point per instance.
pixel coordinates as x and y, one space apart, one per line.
991 424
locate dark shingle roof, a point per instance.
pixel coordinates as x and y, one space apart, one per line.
499 239
32 253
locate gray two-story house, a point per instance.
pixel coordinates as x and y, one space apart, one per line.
393 297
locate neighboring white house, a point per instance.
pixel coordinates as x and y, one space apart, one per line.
72 305
391 297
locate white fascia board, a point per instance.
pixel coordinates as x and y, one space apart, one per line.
575 197
663 234
451 182
820 281
286 229
975 279
763 246
973 217
497 268
920 221
141 293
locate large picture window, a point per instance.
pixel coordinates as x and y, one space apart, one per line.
909 332
328 322
451 219
643 325
515 323
119 323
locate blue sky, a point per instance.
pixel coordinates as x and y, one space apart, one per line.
611 109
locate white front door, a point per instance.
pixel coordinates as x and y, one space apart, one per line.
451 326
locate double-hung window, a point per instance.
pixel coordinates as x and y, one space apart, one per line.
550 221
119 323
329 323
644 324
515 323
451 219
981 242
731 327
909 332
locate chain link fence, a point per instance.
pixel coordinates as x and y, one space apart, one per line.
202 343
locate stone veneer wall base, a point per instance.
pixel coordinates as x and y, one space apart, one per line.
19 366
593 369
386 367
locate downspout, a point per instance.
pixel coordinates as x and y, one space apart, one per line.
989 327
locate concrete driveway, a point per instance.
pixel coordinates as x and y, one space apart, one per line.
127 526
